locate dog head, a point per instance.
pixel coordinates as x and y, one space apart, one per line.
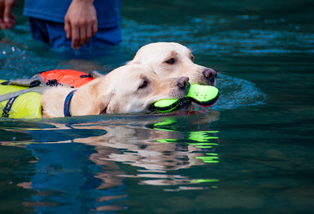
170 59
134 88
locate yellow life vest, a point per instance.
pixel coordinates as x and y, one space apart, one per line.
24 105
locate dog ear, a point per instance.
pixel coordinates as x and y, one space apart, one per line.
105 103
112 107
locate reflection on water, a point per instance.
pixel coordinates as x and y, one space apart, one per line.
67 181
84 166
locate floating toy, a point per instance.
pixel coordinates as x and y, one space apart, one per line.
202 95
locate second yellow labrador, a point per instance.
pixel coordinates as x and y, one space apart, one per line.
127 89
169 59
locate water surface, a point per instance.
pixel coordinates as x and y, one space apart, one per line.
249 153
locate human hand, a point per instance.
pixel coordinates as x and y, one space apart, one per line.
80 22
7 18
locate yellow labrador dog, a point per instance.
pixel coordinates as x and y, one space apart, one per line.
169 59
127 89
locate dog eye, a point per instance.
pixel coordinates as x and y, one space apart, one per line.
192 57
144 84
170 61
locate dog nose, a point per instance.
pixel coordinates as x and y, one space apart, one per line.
210 74
183 82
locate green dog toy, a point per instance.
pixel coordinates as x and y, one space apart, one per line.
202 95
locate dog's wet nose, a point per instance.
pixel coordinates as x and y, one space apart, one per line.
210 74
183 82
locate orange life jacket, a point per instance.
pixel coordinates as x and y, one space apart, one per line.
66 76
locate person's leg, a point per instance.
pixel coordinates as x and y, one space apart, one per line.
38 30
57 35
105 37
48 32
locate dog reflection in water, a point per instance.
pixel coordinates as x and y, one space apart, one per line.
156 147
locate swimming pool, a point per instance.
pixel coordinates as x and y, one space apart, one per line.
249 153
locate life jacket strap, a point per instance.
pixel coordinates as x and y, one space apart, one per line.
8 106
95 74
35 80
39 89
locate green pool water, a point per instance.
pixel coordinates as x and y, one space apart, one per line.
252 152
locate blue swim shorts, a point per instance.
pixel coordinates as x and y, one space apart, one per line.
54 35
